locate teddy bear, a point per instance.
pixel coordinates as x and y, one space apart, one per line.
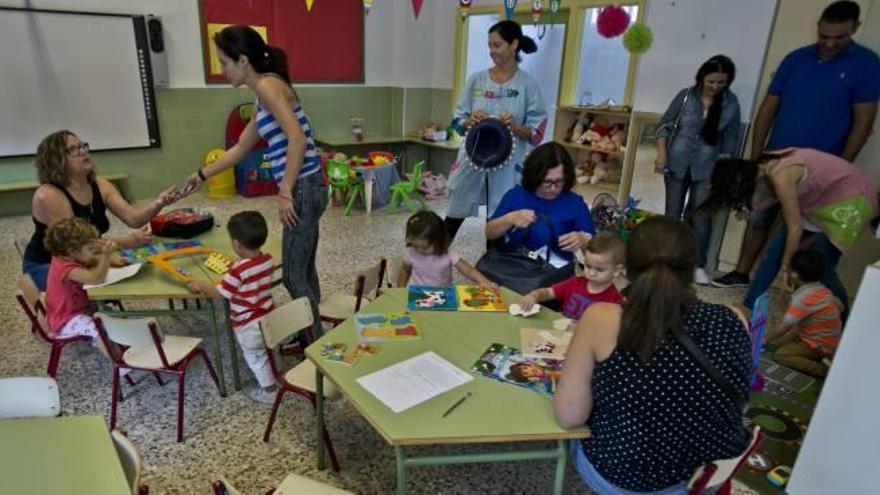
605 169
594 134
584 171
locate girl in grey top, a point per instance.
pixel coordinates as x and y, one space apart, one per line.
700 126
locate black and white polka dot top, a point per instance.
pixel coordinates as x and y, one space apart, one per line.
653 425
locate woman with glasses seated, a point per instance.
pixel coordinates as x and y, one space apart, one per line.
543 211
69 188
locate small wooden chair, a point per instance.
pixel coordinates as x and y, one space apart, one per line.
146 348
29 397
31 301
130 459
339 306
718 474
293 484
279 326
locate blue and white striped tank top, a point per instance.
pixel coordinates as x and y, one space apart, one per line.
276 153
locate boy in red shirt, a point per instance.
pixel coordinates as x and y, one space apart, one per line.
247 285
603 262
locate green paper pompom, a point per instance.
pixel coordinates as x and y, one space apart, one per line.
638 38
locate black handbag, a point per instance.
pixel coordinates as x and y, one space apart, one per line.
520 270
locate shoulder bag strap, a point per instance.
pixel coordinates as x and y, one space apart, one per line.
677 122
691 347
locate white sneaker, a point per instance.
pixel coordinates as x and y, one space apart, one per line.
701 277
263 396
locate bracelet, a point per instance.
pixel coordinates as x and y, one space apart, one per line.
201 175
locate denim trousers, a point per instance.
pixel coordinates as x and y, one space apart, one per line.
772 262
300 244
677 189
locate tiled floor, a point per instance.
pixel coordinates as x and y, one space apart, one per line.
223 436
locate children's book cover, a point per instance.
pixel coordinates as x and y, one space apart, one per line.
508 365
540 343
140 254
474 298
386 327
425 298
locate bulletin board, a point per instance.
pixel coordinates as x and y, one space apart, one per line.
323 45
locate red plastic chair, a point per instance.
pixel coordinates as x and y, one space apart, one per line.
281 325
720 473
145 348
339 306
30 300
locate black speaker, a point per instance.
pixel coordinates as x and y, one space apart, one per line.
158 56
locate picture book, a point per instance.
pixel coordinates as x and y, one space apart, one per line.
474 298
508 365
425 298
385 327
336 353
544 344
140 254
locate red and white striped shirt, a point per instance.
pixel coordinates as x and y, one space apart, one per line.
247 285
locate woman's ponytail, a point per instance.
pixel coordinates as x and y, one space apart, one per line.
527 44
277 62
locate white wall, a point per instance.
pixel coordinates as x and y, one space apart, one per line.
399 50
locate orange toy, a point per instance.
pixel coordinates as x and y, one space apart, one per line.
161 260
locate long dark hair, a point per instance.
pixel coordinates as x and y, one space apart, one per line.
510 31
660 257
733 182
235 41
541 159
722 64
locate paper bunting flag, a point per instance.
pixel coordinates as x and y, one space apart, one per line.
464 6
509 7
537 10
309 5
417 7
367 5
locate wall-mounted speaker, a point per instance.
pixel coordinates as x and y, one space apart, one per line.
158 54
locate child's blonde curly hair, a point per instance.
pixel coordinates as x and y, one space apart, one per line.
69 235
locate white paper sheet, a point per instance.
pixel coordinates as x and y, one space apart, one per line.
411 382
117 274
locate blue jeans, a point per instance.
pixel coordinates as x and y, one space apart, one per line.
601 486
38 271
772 262
696 192
300 244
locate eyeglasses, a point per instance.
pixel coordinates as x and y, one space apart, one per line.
78 150
553 183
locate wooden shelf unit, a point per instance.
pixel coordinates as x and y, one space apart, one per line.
565 118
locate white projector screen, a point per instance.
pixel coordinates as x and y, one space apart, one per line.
89 73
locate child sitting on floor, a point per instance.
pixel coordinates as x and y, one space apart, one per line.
79 256
247 286
811 327
603 262
428 259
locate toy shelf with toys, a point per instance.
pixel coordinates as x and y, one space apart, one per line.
596 139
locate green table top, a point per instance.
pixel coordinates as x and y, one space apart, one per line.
70 455
153 283
496 412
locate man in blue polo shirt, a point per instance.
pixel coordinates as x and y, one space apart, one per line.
823 96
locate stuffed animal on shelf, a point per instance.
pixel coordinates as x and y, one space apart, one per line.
607 170
433 185
581 123
593 135
584 171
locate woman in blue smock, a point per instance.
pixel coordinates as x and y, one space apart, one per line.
510 94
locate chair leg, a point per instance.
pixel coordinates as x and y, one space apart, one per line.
114 397
334 462
354 196
181 381
275 406
158 379
210 367
128 380
54 357
409 204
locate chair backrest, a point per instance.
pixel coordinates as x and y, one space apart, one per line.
129 332
716 473
130 459
370 280
288 320
338 172
31 301
26 397
394 266
295 484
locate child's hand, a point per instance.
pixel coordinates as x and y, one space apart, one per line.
527 302
197 286
488 284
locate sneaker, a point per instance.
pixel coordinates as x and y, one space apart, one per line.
732 279
263 396
700 277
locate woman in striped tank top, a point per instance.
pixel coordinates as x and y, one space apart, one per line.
302 198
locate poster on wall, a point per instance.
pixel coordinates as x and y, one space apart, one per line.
324 44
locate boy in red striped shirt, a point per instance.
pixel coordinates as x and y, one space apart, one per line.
247 285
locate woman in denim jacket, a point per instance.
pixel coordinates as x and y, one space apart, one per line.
700 126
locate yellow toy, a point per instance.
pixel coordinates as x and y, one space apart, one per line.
221 185
218 263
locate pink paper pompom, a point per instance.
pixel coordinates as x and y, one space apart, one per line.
612 21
